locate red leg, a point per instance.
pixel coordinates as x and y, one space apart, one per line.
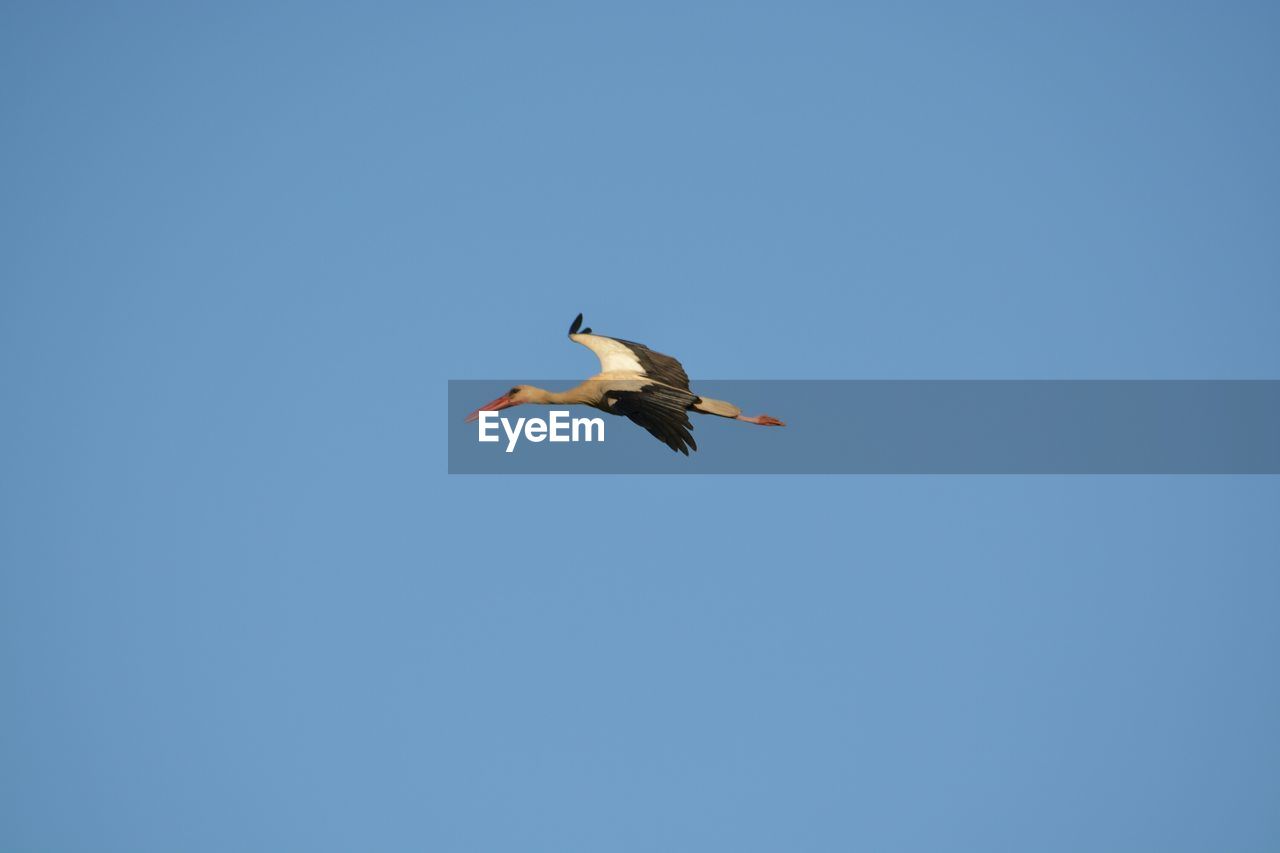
762 420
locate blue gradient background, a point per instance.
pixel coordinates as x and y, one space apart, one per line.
242 606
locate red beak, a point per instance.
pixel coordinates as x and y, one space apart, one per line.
503 402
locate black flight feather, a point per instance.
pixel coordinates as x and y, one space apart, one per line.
577 324
662 410
658 365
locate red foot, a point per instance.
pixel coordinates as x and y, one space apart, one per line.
762 420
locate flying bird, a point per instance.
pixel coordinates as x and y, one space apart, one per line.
649 388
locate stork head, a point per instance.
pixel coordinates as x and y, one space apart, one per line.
517 395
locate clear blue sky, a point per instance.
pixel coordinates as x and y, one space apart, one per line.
242 607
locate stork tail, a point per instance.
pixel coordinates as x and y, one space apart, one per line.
708 406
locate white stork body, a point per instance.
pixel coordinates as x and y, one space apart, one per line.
648 387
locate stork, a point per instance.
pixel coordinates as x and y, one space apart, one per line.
649 388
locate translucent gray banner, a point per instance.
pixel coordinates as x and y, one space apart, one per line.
896 427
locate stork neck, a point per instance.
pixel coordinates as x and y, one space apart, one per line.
552 398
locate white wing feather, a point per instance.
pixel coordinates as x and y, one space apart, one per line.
614 357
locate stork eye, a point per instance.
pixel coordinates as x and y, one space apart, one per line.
513 392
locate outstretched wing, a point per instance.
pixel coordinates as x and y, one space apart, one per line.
619 356
660 409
